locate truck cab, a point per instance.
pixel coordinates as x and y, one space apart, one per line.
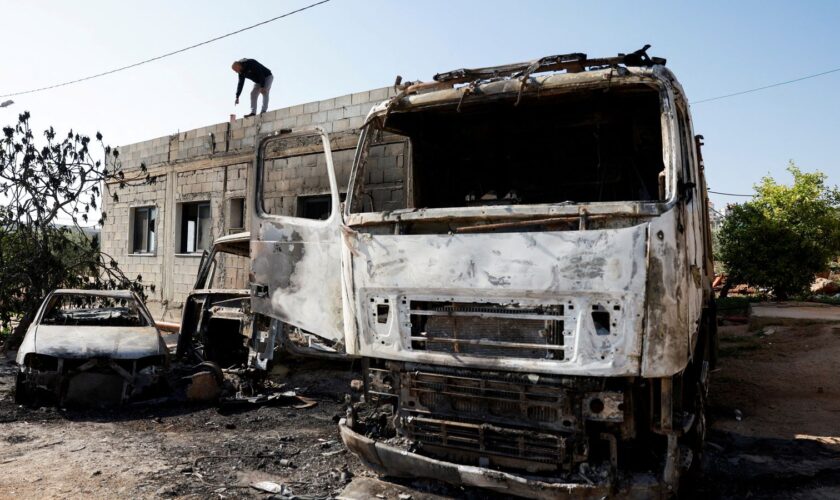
523 262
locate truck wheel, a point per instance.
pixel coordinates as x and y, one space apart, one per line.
695 438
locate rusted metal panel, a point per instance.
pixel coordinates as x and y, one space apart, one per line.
168 326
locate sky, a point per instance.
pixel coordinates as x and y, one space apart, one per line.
345 46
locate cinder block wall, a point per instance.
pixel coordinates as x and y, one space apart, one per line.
213 164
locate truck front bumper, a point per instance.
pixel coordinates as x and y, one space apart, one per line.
392 461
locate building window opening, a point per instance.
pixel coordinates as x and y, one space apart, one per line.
316 207
195 227
236 215
143 229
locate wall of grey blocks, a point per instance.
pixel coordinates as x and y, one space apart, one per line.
212 164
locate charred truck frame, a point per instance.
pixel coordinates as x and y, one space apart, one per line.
530 292
217 324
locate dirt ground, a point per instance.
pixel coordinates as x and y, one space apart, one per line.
152 451
775 410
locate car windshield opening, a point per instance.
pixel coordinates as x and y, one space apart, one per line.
93 310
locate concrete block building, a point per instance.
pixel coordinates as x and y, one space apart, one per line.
199 192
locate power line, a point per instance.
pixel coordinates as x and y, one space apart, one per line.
730 194
287 14
767 86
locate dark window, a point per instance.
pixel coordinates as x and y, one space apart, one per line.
315 207
195 227
236 215
143 231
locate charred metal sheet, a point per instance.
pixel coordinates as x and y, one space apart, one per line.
236 244
575 270
295 275
571 62
604 407
217 323
296 261
667 326
94 341
396 462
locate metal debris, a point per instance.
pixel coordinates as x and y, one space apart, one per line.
270 487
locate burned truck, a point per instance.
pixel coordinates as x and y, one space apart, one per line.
523 263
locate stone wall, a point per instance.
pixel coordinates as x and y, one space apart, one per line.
212 164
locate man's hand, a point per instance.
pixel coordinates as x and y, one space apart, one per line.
237 101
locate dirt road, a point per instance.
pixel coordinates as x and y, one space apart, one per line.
784 383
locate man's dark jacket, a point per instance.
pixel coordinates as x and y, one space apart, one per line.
253 71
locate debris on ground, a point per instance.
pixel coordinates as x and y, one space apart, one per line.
269 487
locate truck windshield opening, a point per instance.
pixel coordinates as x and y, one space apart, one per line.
581 147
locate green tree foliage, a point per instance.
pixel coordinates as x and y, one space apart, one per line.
784 235
46 191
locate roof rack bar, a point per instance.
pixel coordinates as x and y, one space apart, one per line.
574 63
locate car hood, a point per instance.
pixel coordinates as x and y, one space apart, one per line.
81 342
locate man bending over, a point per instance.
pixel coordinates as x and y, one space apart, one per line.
262 78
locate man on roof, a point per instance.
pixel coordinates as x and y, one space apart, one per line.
262 78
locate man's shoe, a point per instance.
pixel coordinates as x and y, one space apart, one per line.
249 114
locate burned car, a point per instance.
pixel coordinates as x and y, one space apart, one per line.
216 320
523 263
91 347
217 323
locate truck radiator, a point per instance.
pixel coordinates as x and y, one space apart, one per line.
497 401
509 419
501 445
482 329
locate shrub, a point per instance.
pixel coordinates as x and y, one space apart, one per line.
784 235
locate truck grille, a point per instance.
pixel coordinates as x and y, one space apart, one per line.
499 401
504 446
489 330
